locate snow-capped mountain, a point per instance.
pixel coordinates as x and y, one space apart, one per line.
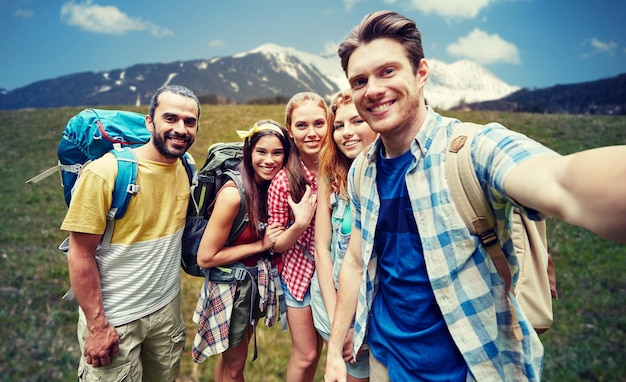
265 72
329 66
462 81
447 86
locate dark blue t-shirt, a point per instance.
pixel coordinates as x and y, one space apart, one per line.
407 332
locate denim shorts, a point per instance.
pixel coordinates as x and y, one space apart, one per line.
291 301
358 369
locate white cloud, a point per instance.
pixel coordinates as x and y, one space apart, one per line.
217 44
106 20
24 13
330 49
601 47
462 9
348 4
484 48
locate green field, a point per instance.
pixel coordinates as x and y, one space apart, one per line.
37 331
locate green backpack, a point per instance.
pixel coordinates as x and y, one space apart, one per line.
220 166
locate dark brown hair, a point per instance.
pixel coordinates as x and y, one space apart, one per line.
256 194
384 24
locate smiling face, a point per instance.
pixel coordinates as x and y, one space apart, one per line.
350 132
308 128
174 126
387 92
268 156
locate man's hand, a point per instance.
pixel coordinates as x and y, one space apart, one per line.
101 345
335 368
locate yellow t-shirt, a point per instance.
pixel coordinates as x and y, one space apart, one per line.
140 270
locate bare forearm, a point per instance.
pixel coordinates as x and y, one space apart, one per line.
596 179
586 189
229 255
303 213
323 242
101 340
324 269
85 282
347 297
288 238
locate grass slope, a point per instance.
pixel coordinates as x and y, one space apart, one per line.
37 335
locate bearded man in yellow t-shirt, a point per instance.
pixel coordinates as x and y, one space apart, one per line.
130 320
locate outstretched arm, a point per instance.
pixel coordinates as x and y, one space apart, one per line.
587 189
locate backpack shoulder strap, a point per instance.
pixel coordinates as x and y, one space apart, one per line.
464 186
193 209
125 187
242 216
191 167
472 204
360 163
469 198
125 183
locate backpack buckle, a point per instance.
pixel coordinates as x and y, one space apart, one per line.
132 189
240 273
489 238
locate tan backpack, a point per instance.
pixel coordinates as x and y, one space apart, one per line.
536 284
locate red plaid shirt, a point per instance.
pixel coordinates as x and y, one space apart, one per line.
297 269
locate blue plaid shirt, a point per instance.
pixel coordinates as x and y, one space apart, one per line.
466 285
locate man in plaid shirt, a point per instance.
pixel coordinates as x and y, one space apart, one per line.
430 303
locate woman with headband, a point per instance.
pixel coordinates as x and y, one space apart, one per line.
238 302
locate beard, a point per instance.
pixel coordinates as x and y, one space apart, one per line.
160 142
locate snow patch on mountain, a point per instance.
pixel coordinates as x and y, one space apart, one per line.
448 84
463 81
330 67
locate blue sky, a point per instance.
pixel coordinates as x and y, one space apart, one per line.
528 43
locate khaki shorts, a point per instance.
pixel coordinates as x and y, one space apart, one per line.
150 348
378 371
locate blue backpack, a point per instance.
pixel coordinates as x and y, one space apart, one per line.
89 135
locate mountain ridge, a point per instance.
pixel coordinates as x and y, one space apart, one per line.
266 72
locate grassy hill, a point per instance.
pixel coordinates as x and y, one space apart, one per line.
37 331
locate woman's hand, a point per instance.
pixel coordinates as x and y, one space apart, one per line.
304 210
272 231
347 347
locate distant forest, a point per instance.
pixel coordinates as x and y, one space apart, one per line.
605 97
